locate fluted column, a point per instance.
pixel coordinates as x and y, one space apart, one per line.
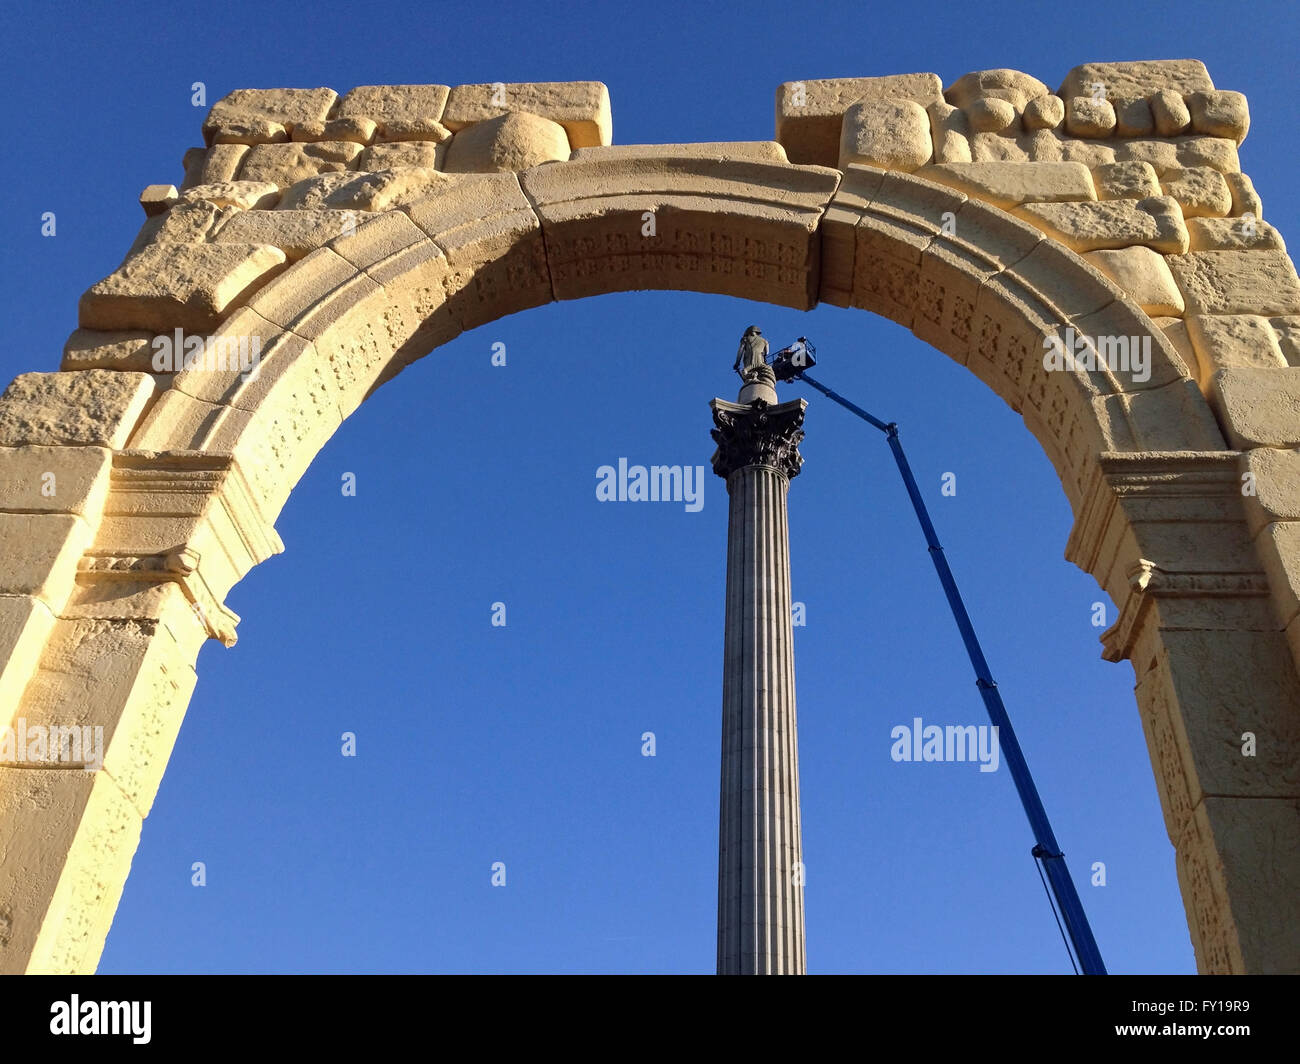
760 853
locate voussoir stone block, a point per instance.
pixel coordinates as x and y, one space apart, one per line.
1008 184
890 134
581 107
1143 275
514 141
97 407
809 114
186 286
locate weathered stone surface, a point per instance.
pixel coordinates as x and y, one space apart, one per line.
25 624
192 222
376 191
1129 180
1143 275
1156 223
1277 488
988 114
890 134
1220 114
41 552
514 141
220 165
89 349
275 107
400 105
1200 191
1233 234
246 195
1086 117
97 407
1010 86
1170 112
1233 341
286 164
809 114
1044 112
347 130
400 129
1237 282
68 480
296 233
246 129
187 286
1007 184
1133 117
1137 79
1218 152
1258 407
192 163
1287 331
581 107
769 151
950 132
394 155
1000 148
157 198
1245 200
1175 331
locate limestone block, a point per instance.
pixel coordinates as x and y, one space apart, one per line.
1010 86
419 153
179 422
1175 330
312 296
1044 112
69 480
1156 223
157 198
246 195
192 163
1129 180
809 114
1278 546
354 130
286 164
1217 152
25 624
1258 407
381 237
1170 113
187 286
890 134
1287 331
274 107
246 129
1200 191
89 349
97 407
950 133
220 165
769 151
1119 333
838 231
1137 79
1277 495
1160 155
1000 148
1245 200
1220 114
1006 185
399 129
1142 274
514 141
378 191
66 842
296 233
1237 282
1233 234
1090 153
1133 117
1233 341
1086 117
390 105
581 107
988 114
192 222
41 553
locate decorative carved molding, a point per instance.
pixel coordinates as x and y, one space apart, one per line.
757 434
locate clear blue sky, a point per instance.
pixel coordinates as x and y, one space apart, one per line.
476 484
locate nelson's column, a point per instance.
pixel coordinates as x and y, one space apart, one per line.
760 853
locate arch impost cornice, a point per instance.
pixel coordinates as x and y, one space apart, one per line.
188 517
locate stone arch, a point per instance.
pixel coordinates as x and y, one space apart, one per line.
339 278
